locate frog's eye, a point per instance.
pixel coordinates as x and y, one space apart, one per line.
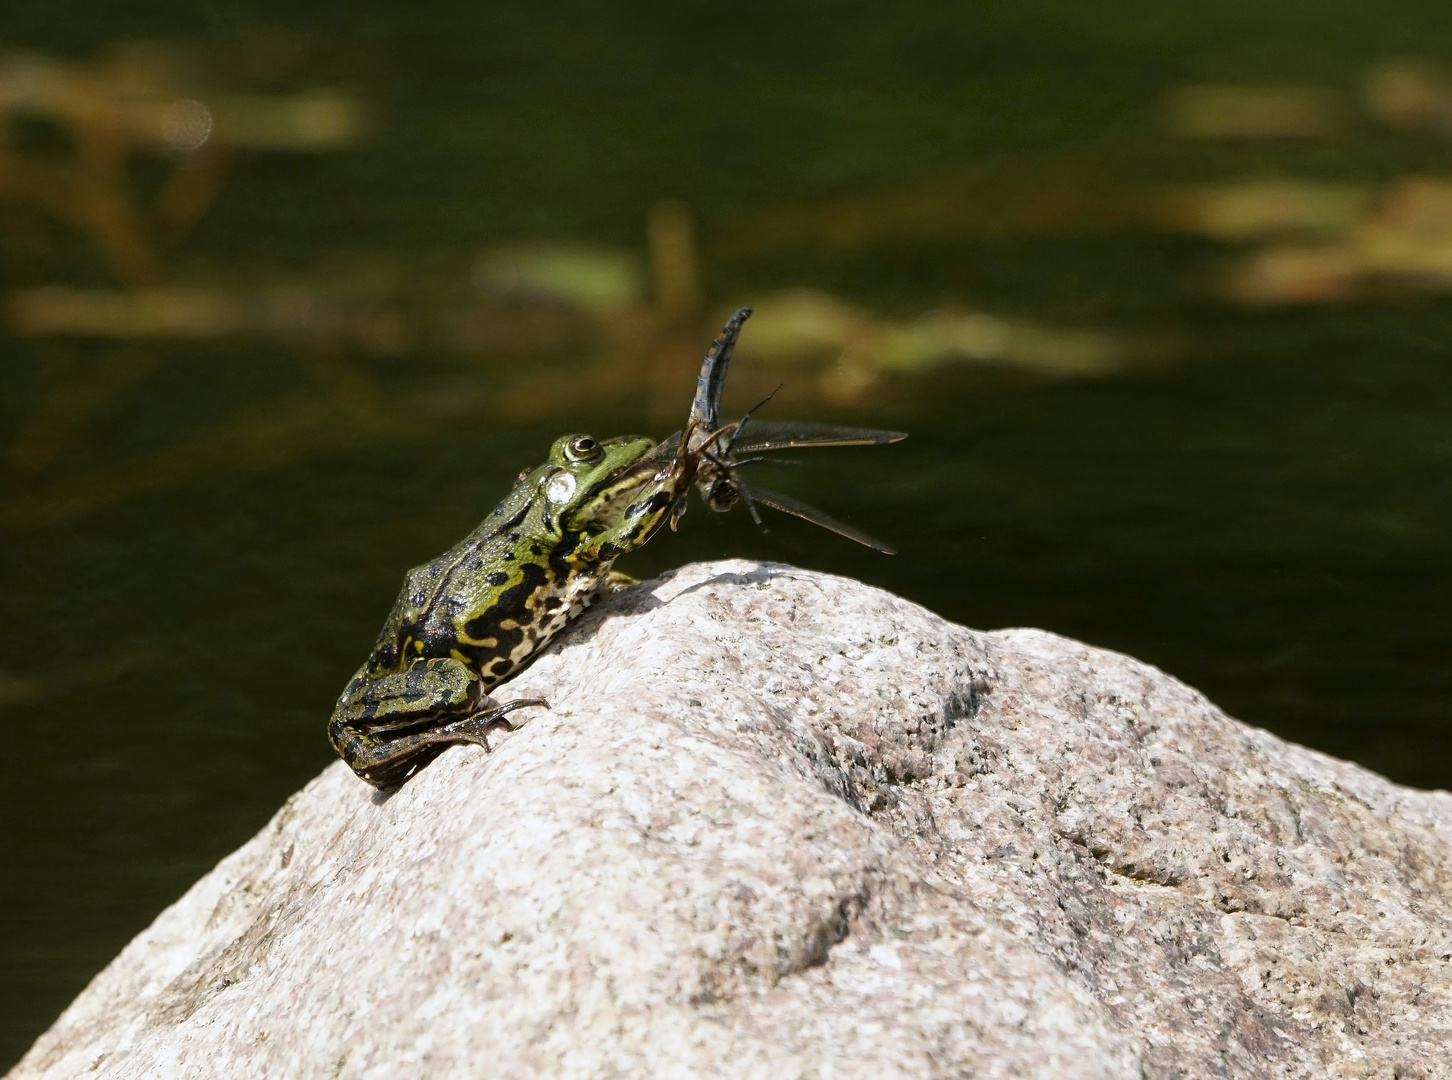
583 448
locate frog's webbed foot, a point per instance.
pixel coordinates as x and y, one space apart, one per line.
386 760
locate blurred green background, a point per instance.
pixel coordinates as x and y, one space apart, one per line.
293 291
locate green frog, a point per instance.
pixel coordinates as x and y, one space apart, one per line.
467 620
472 617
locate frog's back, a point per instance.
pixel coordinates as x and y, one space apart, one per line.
440 597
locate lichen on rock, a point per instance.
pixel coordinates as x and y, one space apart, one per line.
781 824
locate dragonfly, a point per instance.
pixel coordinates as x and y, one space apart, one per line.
714 451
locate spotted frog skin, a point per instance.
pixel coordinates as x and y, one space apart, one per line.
470 618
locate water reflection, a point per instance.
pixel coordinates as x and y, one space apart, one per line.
1255 111
1413 95
552 325
74 127
1400 243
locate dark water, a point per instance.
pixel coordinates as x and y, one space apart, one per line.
1267 519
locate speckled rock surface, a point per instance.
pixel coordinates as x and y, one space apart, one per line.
780 824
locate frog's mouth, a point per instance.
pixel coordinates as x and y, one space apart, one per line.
616 497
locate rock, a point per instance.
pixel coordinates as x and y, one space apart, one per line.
780 824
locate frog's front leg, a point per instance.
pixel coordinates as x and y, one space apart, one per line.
616 581
387 726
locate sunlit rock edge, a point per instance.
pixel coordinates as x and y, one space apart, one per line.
779 823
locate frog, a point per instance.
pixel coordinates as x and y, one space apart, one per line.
469 619
466 621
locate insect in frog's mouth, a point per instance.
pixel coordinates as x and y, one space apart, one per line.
613 499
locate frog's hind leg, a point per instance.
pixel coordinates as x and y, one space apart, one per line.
386 760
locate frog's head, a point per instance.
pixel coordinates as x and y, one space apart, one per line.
589 483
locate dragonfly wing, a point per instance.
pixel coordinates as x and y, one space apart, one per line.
769 435
788 505
666 449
